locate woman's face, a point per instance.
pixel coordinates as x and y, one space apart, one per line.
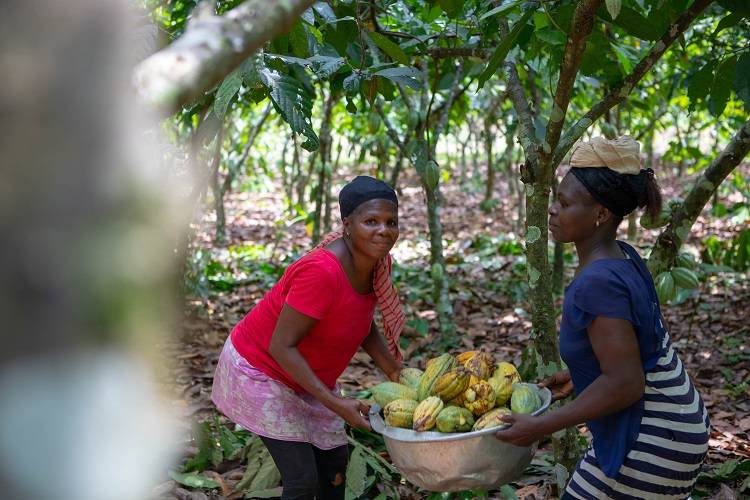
373 227
573 215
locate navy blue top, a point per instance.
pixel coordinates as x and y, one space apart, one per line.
613 288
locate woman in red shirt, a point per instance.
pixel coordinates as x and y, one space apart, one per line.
277 373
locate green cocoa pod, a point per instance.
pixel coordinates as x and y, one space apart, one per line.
685 260
647 222
434 369
454 419
436 271
373 122
431 175
400 413
684 277
525 398
386 392
665 288
410 377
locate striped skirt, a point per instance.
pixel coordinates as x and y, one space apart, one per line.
671 445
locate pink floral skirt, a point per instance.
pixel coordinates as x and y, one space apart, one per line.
269 408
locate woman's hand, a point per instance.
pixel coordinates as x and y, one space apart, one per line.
354 412
560 385
393 375
524 430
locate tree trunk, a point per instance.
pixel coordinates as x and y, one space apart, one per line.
220 234
558 263
489 139
329 197
683 217
295 174
396 172
441 292
462 177
324 166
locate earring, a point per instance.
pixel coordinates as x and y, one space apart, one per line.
597 223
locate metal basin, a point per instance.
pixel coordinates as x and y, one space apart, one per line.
458 461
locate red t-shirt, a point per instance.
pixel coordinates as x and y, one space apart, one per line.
315 286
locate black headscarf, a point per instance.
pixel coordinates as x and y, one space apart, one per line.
361 189
620 193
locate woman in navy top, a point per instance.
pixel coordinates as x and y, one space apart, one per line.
649 426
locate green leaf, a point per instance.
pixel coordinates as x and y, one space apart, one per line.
390 48
227 90
501 10
294 103
636 24
722 87
351 84
700 84
406 75
502 50
508 492
727 22
742 79
298 39
356 473
325 66
738 6
325 11
193 480
613 7
451 7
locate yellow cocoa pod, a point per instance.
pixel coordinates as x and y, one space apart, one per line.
465 356
426 412
492 418
434 369
454 419
480 365
386 392
400 413
451 384
479 398
410 377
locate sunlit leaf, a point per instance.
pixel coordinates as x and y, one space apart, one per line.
502 50
390 48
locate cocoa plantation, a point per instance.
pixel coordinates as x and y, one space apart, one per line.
442 249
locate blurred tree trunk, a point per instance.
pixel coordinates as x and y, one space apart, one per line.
324 167
218 196
329 196
488 139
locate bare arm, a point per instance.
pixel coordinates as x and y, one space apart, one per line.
620 385
291 328
375 345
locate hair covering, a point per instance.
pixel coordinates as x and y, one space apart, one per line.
621 155
361 189
610 170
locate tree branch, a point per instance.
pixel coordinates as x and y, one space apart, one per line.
446 108
210 49
619 93
391 130
580 28
446 52
673 236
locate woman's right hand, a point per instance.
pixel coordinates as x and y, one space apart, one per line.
560 384
354 412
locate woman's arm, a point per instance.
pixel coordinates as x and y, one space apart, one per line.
291 328
620 385
375 345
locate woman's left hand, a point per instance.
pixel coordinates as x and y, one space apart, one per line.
524 430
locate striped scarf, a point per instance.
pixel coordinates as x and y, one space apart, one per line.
387 297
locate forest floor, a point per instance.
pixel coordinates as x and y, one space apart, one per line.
709 327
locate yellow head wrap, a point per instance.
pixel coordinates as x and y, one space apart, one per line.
620 155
